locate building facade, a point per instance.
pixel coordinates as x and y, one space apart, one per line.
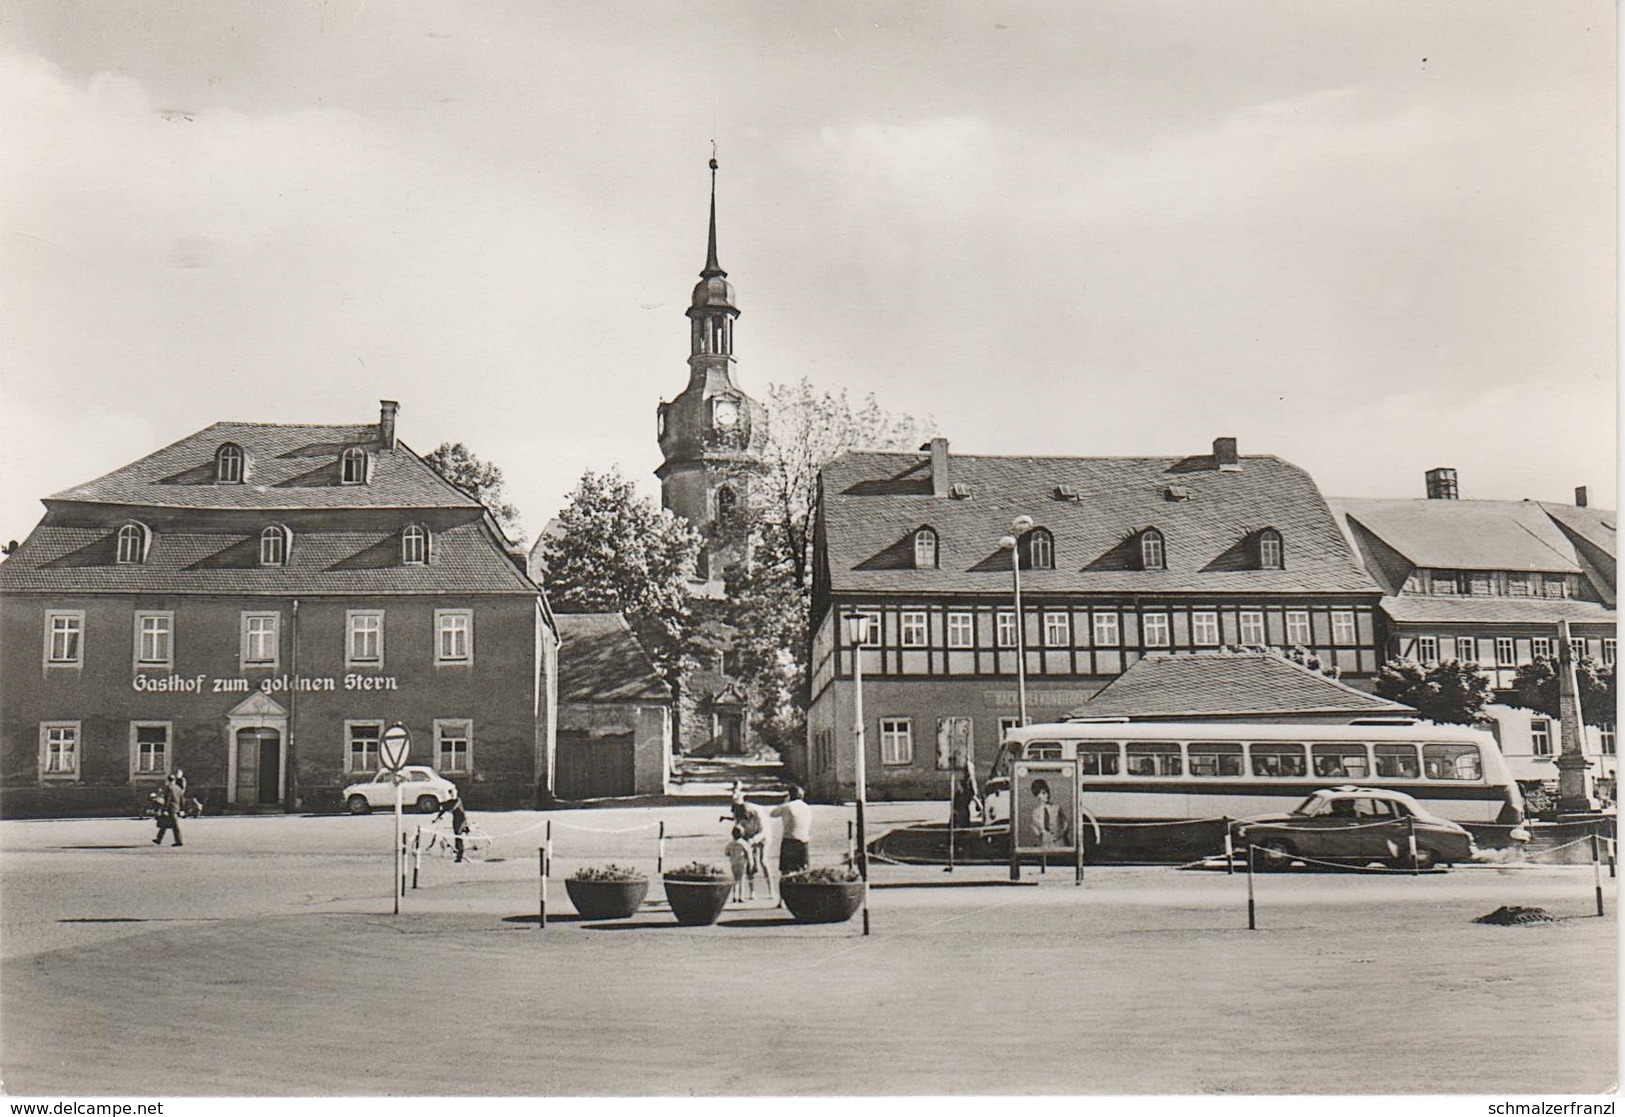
614 717
256 603
1124 557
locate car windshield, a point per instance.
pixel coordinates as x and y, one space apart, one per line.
1315 804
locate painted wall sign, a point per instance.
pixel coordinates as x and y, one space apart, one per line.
278 684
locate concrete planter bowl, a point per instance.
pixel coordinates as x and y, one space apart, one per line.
606 899
697 903
822 901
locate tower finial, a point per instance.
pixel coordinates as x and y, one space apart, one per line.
711 266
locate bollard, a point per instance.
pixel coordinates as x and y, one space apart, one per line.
1596 867
660 851
851 844
1229 848
403 865
1410 821
1252 911
541 887
417 856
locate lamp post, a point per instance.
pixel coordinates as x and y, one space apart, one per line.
1012 543
857 634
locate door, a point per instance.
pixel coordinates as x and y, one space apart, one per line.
259 762
270 766
594 767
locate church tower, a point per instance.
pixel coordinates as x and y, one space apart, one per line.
711 435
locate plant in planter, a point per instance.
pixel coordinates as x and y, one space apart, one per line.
607 891
827 895
697 892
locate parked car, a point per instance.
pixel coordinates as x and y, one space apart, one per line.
1355 825
421 787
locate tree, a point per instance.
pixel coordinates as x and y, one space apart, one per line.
479 479
616 552
1449 692
1535 687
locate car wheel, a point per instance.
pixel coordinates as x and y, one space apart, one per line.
1277 853
428 804
358 804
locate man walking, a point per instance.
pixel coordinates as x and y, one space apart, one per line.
169 811
797 831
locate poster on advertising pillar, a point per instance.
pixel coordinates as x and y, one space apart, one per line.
1045 806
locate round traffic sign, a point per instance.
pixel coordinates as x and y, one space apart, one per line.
394 746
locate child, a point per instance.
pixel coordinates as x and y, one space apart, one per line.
740 861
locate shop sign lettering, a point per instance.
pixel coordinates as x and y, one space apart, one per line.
278 684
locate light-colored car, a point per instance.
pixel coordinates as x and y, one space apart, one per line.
421 787
1355 825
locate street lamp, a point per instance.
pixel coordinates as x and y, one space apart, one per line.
1012 543
857 634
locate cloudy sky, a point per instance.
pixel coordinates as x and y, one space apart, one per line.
1371 238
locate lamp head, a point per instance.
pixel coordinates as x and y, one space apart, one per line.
1007 543
857 628
1022 525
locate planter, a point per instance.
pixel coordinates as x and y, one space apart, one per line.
834 902
606 899
697 903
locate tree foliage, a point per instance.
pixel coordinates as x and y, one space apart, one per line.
1536 687
479 479
1448 692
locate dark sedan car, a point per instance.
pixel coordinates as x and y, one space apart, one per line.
1355 825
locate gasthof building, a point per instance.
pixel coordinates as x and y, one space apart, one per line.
256 603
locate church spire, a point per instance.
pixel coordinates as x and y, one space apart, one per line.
711 266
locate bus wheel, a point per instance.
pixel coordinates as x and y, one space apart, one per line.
1277 853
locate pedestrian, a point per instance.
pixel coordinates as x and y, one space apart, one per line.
743 865
169 811
459 821
797 831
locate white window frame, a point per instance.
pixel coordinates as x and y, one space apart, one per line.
1004 628
1008 722
961 629
1610 650
443 625
137 772
1427 650
871 631
358 457
46 729
275 545
1271 551
925 549
1540 736
896 741
1300 632
1542 647
1606 741
1153 550
247 661
1578 649
1057 629
1205 631
1040 549
1106 628
132 544
1469 644
914 628
1156 630
231 454
1345 628
353 627
139 657
350 726
77 617
443 726
1253 634
1506 651
414 545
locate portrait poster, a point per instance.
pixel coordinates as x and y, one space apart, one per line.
1045 806
954 743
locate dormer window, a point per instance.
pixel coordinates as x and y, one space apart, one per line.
133 540
275 542
415 545
1270 555
1153 555
353 466
228 464
1040 549
925 549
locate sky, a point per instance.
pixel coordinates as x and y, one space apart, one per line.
1371 238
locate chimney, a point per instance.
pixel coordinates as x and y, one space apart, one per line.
1224 455
1579 496
1441 484
941 482
387 410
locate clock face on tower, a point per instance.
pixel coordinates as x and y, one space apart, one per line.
725 413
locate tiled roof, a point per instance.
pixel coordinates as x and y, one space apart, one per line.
874 500
1596 526
1466 534
289 466
601 661
1421 608
1229 683
74 559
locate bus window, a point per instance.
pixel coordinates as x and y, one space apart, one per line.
1278 760
1042 750
1214 758
1154 758
1397 761
1097 758
1340 761
1451 762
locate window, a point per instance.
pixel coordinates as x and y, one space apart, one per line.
912 629
1057 630
1343 631
1556 587
228 464
1006 724
1506 651
1610 649
149 748
1098 758
1154 630
1481 583
1214 759
1005 628
1106 630
59 750
1205 629
1344 760
274 545
353 466
155 639
454 636
1298 633
1451 762
1269 550
1466 649
961 630
1606 739
1278 760
261 639
727 505
1445 582
1396 761
1427 650
1540 736
1151 550
925 549
1252 629
414 545
364 638
896 741
64 638
1518 585
361 745
1154 758
132 543
1541 647
1040 550
453 745
1577 649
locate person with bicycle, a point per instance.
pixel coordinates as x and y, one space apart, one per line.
459 821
